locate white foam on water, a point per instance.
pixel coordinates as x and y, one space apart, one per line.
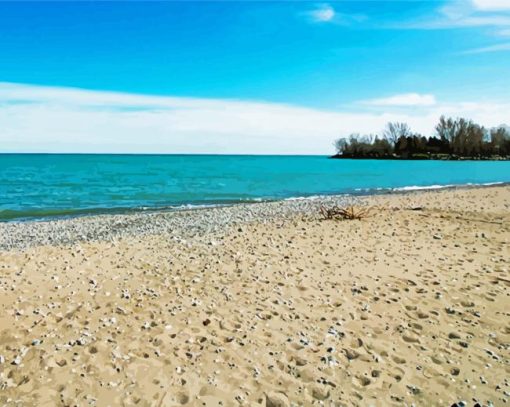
426 187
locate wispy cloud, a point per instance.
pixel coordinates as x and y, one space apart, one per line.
403 100
492 5
54 119
443 22
491 48
504 33
464 14
458 14
325 13
322 14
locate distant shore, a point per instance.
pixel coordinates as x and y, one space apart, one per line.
414 157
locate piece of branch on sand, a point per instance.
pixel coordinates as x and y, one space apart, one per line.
350 212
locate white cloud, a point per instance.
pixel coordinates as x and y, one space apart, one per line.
461 22
482 21
53 119
504 32
491 5
458 14
463 14
325 13
322 14
405 99
491 48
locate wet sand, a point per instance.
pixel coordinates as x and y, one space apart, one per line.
410 305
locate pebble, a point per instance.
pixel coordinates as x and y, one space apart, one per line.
320 392
455 371
20 235
274 399
17 360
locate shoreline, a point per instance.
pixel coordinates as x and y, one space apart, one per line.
422 158
127 211
188 221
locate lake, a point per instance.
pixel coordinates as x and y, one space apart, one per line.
42 185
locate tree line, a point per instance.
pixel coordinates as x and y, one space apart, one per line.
453 139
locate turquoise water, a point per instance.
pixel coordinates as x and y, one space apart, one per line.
33 185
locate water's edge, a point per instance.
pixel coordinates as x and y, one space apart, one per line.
43 216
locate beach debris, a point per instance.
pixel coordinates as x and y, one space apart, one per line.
350 212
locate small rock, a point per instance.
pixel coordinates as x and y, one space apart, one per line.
17 360
277 400
320 392
351 354
62 363
300 361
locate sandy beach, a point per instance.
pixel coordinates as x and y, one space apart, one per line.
263 304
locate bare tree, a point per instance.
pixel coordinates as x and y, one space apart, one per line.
446 129
396 130
500 139
455 138
341 145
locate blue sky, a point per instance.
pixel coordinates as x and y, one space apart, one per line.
377 59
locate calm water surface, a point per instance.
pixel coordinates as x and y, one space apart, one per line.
50 185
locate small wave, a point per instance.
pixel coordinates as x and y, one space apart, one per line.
419 188
311 197
186 207
439 186
8 215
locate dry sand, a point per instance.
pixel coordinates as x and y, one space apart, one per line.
405 307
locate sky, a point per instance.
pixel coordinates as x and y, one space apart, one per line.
249 77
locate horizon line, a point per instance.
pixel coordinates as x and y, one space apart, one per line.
164 154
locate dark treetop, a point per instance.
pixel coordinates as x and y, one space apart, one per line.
453 139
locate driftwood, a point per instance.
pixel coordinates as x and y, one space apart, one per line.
349 212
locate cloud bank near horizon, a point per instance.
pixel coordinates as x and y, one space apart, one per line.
405 99
56 119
